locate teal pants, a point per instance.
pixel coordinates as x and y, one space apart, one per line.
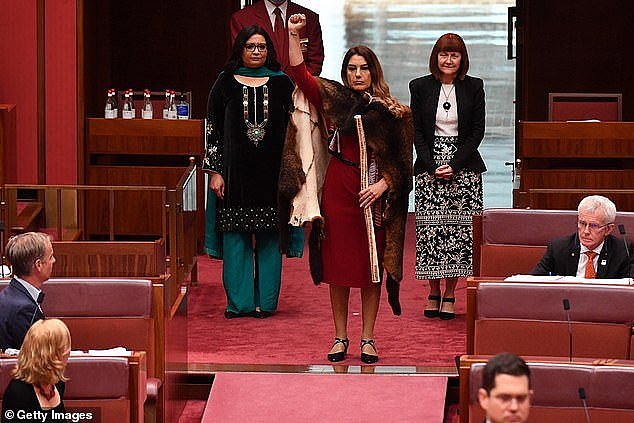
251 274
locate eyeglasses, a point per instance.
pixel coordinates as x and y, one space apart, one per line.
251 47
582 224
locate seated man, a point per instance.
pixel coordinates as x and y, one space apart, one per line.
506 391
591 252
31 257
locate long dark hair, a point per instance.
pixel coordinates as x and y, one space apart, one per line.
235 61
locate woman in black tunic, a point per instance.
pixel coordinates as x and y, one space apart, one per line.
248 111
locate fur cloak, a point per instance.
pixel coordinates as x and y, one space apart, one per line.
389 137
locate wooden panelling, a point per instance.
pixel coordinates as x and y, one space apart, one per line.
568 199
582 156
576 178
109 259
139 152
572 46
8 143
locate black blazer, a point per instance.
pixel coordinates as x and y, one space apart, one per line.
18 311
424 93
562 258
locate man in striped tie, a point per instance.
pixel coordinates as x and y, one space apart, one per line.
272 15
592 252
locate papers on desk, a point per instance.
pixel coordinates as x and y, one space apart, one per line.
568 279
120 351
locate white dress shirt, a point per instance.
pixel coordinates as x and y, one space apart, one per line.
583 259
270 7
33 291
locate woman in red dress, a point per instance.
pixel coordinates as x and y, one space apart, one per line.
344 247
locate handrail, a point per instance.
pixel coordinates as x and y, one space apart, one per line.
12 189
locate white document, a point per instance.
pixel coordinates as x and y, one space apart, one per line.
568 279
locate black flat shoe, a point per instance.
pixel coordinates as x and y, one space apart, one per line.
432 313
261 314
234 315
368 358
447 315
339 356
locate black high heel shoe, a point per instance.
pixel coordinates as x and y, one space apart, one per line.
431 313
339 356
368 358
447 315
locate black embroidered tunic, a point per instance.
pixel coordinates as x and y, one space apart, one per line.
250 170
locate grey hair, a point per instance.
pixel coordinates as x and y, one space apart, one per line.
592 203
23 250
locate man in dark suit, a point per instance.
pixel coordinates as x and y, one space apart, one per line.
591 252
31 258
506 391
272 15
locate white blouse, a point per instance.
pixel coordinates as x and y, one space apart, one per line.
447 120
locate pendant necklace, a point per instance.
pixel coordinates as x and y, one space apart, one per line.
446 105
255 130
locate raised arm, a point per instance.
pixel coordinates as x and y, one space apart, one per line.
295 23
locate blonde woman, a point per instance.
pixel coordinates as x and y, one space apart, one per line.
38 379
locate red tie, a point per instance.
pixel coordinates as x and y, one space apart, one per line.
281 46
590 272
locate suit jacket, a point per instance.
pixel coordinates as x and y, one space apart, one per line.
18 310
310 35
562 258
471 115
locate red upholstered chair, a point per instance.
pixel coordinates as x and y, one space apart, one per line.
512 241
529 319
112 388
584 106
556 386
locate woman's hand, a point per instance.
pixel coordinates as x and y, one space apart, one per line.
217 185
372 193
296 22
444 172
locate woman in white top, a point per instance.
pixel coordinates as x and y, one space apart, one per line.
448 111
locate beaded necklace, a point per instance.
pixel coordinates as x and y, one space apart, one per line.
255 130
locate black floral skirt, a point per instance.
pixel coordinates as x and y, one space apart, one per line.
444 210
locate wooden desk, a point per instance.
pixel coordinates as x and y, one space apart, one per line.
575 155
528 318
139 152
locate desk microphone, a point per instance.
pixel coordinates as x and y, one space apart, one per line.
627 248
567 308
582 396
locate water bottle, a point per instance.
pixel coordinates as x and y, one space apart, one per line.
147 111
166 106
111 106
171 114
182 108
128 108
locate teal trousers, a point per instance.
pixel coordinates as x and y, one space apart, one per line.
251 272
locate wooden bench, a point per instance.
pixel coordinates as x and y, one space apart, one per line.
556 382
529 319
512 241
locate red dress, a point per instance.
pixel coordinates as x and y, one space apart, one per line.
345 256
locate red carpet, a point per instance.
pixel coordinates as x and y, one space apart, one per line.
301 332
243 397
